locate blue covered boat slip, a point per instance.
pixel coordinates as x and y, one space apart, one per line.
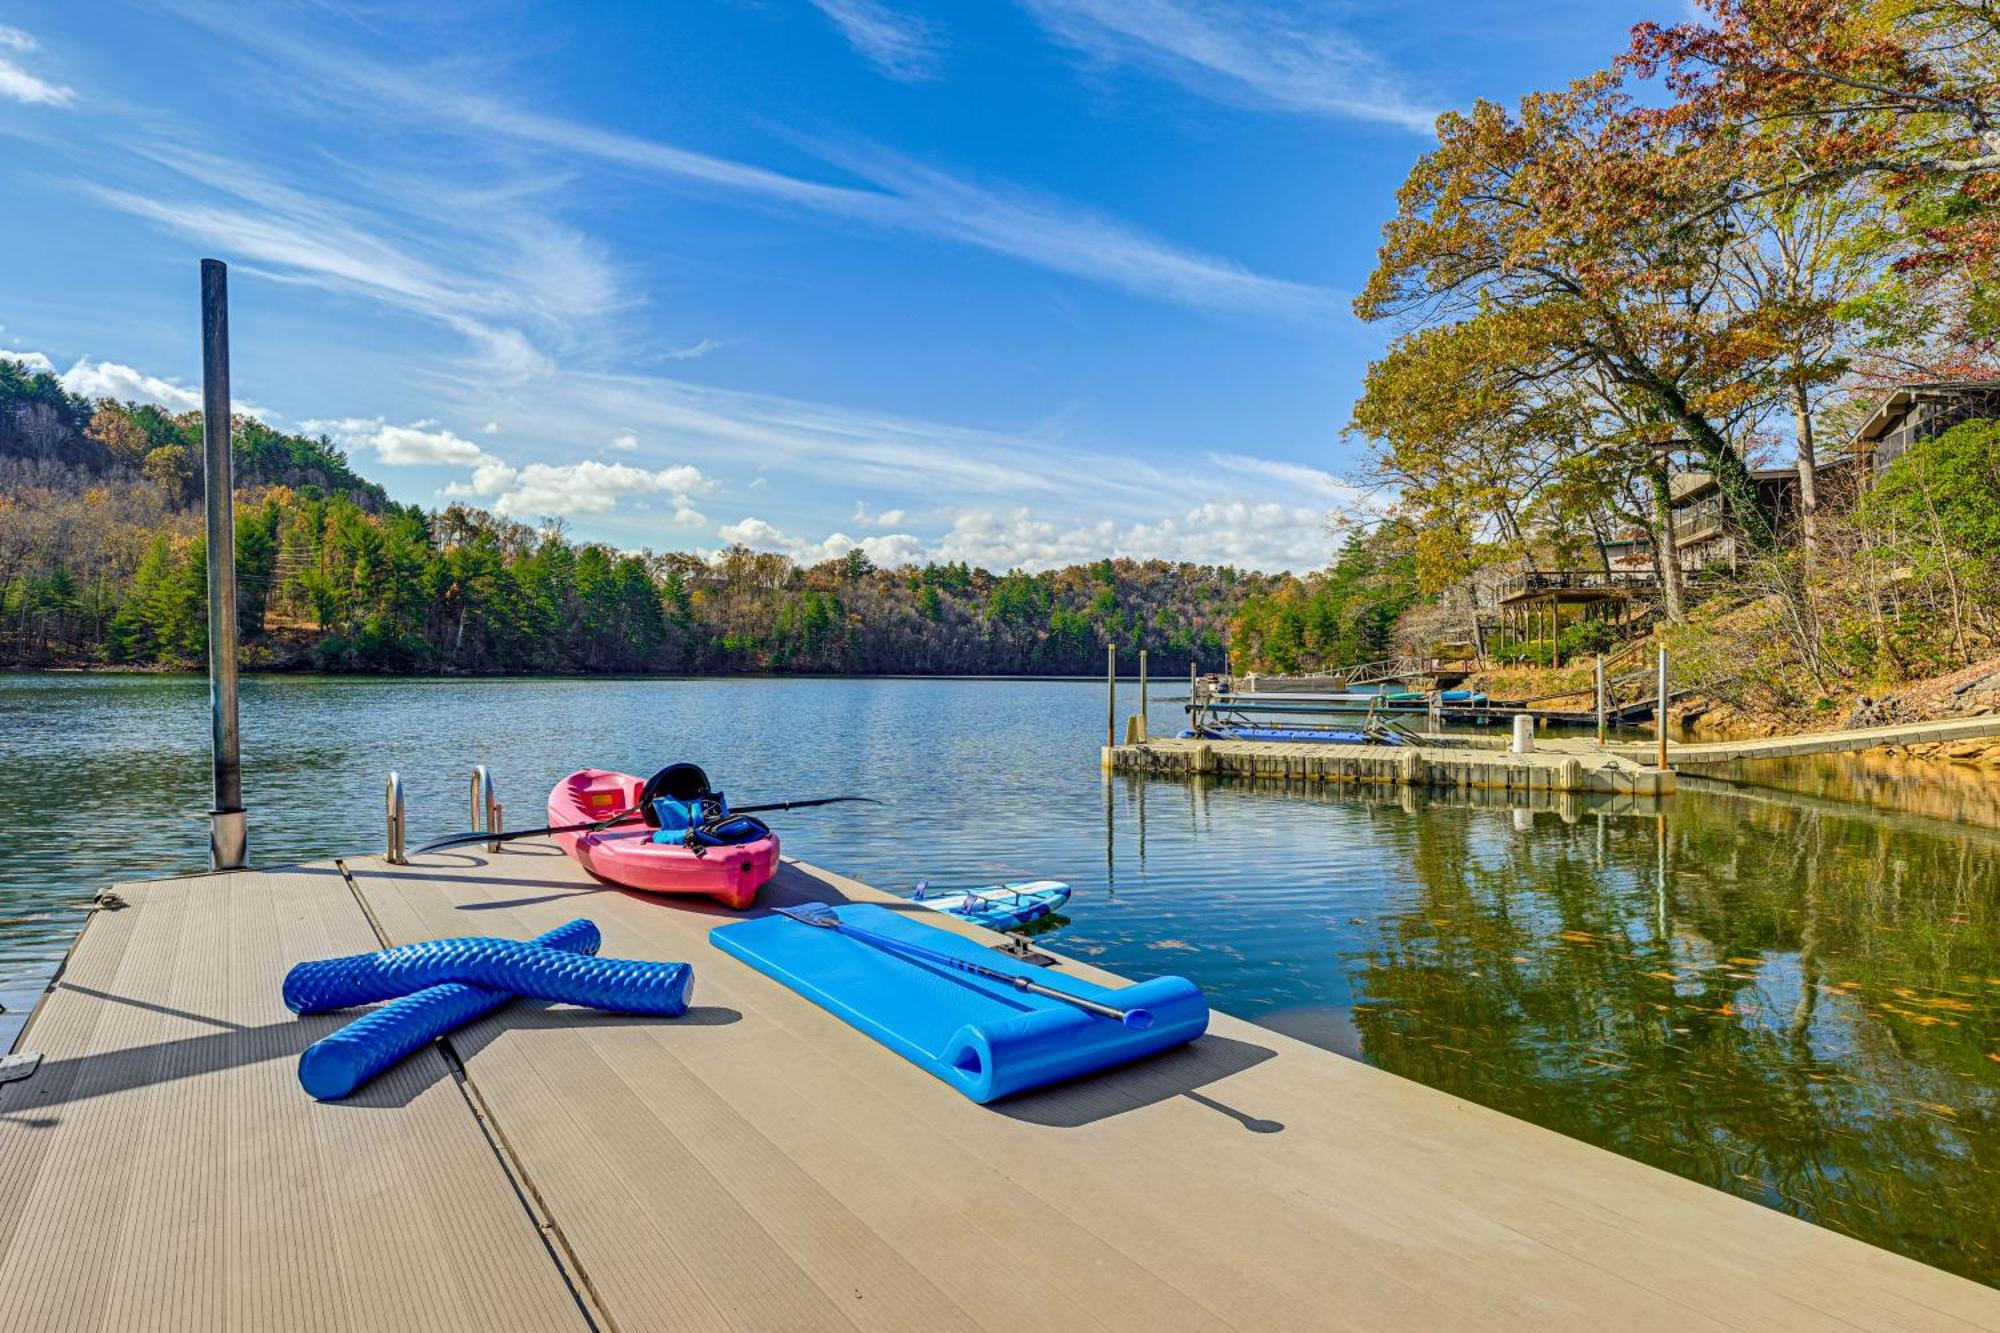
982 1036
1291 734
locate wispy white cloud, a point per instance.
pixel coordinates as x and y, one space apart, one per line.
1292 57
18 85
1064 237
490 273
903 46
1295 478
902 195
692 352
625 442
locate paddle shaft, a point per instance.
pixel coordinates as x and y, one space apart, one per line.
622 817
1132 1018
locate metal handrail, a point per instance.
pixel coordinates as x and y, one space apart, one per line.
486 807
398 820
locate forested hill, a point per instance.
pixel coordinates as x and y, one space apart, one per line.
48 433
102 555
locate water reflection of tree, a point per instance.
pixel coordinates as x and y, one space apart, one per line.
1814 1028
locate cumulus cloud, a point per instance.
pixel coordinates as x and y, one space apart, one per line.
34 361
110 379
889 550
530 490
1231 532
625 441
902 46
419 444
1248 534
888 518
591 487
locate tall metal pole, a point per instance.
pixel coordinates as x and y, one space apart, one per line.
1111 694
227 835
1598 681
1142 694
1661 711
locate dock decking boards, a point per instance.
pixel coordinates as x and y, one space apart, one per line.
163 1169
760 1165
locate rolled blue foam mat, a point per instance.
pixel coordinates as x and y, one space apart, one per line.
337 1064
981 1036
615 985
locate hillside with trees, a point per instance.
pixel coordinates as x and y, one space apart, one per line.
102 560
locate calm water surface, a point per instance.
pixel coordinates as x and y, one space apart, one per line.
1795 998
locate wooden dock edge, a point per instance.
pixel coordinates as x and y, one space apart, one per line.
1401 765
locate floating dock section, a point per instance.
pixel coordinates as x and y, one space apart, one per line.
758 1164
1572 770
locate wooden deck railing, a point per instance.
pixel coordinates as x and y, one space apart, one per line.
1535 581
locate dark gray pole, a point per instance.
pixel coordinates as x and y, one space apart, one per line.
226 832
1111 694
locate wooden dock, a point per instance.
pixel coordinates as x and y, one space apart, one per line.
1459 765
1712 754
759 1165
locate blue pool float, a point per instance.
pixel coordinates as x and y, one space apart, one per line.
997 906
336 1065
982 1036
614 985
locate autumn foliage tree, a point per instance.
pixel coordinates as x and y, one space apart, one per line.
1573 222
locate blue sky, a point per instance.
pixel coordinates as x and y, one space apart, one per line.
1020 282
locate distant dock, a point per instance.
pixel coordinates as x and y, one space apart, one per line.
1571 769
759 1164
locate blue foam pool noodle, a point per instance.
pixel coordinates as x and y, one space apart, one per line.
615 985
337 1064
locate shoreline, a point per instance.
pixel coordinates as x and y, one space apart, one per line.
471 676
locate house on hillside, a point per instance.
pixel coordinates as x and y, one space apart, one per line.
1529 606
1913 412
1909 413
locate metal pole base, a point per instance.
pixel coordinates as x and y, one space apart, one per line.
228 839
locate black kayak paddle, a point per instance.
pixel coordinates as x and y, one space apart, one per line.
622 817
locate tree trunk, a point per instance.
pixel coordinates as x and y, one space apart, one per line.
1808 471
1666 548
1739 491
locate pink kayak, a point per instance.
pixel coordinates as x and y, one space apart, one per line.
627 854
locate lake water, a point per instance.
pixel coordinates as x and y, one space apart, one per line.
1791 997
